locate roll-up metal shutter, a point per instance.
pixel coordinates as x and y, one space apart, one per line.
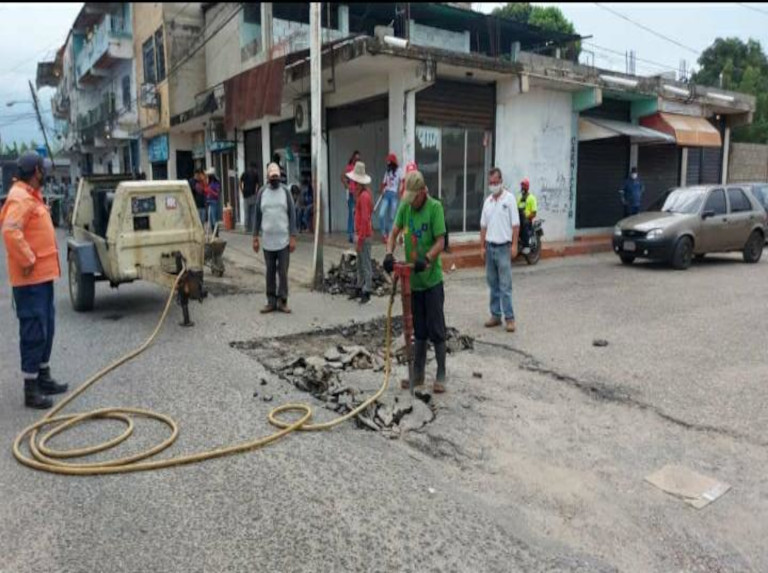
457 104
610 109
358 113
603 166
711 164
693 174
658 167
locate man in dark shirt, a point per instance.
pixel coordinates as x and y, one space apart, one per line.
249 184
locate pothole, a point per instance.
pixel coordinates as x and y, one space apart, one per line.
342 366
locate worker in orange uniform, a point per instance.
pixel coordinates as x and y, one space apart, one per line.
33 265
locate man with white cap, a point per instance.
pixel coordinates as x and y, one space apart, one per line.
275 225
363 232
33 265
422 221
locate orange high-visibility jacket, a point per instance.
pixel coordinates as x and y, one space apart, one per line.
30 239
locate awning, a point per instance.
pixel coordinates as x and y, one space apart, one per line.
688 131
594 128
254 93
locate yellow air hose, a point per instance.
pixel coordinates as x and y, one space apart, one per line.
49 460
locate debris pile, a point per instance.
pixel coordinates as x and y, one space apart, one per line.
342 278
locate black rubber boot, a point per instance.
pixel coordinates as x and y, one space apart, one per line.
48 385
419 361
440 354
33 398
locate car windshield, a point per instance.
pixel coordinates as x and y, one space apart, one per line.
684 201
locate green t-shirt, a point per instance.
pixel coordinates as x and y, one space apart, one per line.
421 230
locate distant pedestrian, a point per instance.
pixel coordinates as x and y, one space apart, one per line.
198 192
363 232
212 188
249 185
351 188
499 229
275 225
389 190
632 194
33 266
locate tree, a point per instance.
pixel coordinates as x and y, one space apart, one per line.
549 18
743 67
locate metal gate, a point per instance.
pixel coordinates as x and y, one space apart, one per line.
603 166
659 169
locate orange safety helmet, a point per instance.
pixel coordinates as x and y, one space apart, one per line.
525 184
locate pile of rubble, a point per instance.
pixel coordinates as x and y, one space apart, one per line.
342 278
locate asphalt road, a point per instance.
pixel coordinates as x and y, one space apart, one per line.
524 469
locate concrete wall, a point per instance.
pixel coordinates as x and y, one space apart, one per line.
147 18
534 139
183 29
222 52
748 162
422 35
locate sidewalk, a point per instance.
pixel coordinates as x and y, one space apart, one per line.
239 252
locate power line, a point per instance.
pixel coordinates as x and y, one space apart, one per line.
647 29
748 7
649 62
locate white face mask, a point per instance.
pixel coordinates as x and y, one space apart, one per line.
496 189
634 176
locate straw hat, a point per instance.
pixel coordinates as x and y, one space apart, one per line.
358 175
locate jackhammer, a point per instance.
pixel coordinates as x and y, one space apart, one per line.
402 272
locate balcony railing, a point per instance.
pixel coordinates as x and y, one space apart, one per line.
111 28
102 113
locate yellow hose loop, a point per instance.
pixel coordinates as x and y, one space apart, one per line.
47 459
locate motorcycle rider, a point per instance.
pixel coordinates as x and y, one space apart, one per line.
528 207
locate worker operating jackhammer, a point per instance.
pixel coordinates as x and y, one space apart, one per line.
421 220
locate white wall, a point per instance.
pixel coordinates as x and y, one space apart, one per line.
422 35
533 139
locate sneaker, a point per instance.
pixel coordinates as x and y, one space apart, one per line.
365 299
493 322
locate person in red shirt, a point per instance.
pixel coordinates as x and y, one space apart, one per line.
363 231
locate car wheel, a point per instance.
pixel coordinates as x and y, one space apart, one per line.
627 259
82 289
753 250
683 254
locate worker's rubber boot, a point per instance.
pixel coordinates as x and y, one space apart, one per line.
48 385
419 361
440 354
33 398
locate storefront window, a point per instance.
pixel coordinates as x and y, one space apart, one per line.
455 163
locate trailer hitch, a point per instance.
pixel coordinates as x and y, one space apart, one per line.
190 286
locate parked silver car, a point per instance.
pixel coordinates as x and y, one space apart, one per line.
695 221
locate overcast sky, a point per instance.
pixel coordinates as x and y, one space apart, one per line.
34 31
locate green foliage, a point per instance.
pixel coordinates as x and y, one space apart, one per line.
743 67
548 18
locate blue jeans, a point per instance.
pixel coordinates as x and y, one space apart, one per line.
306 216
213 209
350 216
201 212
388 212
498 272
37 324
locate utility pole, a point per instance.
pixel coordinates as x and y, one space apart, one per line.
316 110
40 121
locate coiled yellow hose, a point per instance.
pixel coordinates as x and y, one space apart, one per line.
49 460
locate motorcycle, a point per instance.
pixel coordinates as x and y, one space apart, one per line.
534 243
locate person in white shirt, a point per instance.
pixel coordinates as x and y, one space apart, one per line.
499 228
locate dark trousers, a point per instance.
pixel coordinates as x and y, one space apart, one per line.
525 229
37 321
277 275
428 316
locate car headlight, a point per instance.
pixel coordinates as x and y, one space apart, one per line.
654 234
617 231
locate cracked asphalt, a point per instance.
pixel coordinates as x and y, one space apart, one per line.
536 465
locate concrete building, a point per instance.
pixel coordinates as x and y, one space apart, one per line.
94 105
170 68
464 92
